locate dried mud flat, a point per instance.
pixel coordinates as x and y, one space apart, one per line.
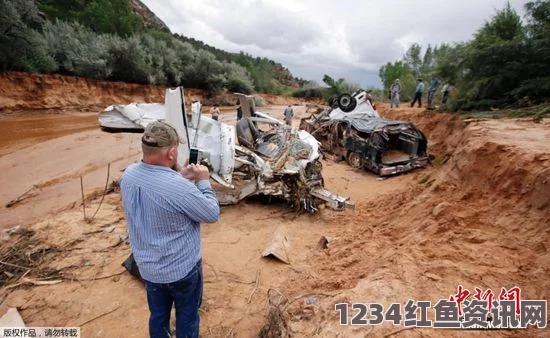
478 217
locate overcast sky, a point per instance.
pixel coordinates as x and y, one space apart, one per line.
344 38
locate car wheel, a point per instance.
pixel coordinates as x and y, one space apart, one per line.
346 103
333 101
355 160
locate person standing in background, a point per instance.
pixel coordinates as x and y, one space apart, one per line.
215 111
289 113
434 83
418 93
395 89
446 91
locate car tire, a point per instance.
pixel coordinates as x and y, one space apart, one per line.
355 160
333 101
346 103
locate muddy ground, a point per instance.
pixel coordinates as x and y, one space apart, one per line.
479 216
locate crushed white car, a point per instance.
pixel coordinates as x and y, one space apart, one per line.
270 158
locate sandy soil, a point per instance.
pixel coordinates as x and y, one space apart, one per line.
478 217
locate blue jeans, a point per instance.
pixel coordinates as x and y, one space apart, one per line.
186 295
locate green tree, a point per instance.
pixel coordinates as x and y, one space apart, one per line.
448 62
128 60
493 62
102 16
414 59
237 79
538 18
21 44
427 62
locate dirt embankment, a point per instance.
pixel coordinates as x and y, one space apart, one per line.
479 219
24 91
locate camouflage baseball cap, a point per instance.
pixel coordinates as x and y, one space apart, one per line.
160 134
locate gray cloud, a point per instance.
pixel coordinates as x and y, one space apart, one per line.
266 26
346 38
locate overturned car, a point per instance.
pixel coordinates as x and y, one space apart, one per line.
351 129
270 158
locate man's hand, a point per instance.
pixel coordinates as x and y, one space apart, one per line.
195 172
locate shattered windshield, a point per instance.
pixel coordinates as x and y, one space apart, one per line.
268 145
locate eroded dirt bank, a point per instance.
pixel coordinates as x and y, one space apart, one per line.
24 91
478 217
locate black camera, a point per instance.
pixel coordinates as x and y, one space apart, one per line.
194 156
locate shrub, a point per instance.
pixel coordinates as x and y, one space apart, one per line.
259 101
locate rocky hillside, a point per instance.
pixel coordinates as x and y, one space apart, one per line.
150 20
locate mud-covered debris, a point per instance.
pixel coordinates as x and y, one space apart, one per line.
12 318
278 246
324 242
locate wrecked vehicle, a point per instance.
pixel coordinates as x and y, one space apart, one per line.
270 158
353 130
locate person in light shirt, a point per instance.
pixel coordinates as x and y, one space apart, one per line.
164 207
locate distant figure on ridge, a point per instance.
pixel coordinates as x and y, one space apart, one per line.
446 91
418 93
395 89
434 83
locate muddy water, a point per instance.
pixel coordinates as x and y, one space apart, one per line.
22 130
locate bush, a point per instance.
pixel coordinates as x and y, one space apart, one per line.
128 60
259 101
237 79
76 50
21 45
536 90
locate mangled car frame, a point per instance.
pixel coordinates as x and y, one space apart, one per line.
353 130
270 158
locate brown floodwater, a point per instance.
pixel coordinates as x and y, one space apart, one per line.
26 129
